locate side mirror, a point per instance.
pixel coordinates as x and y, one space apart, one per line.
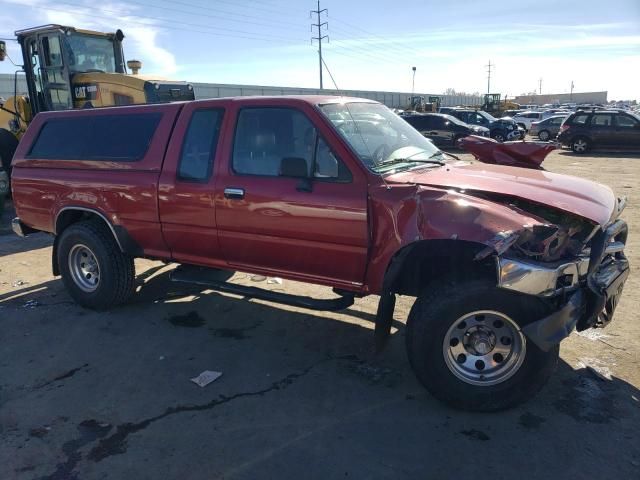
294 167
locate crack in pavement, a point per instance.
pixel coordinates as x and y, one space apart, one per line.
116 443
63 376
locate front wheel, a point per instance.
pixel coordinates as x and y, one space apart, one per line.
466 346
94 270
498 137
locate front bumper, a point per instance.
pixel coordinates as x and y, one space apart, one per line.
587 289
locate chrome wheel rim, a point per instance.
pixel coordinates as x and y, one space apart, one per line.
84 268
499 138
544 136
580 145
484 348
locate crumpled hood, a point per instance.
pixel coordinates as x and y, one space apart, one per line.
575 195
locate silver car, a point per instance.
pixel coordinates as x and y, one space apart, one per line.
548 128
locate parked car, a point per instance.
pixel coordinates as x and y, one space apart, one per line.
548 128
524 119
584 130
500 129
511 113
443 130
504 261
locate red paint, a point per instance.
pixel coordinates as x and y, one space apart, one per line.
515 154
340 234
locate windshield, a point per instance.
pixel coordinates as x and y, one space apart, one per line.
89 53
488 116
382 140
457 121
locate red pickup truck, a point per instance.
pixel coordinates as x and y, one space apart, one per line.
504 262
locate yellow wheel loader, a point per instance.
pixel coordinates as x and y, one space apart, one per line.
68 68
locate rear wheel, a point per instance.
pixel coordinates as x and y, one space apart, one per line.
544 135
94 270
580 145
456 139
466 346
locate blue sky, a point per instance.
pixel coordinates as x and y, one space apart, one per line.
372 44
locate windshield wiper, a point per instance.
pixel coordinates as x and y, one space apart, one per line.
392 161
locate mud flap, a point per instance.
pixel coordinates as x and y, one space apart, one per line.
384 319
551 330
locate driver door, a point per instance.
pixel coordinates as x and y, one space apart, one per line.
307 228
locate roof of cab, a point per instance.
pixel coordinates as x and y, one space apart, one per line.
310 99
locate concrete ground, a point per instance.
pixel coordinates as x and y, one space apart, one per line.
87 395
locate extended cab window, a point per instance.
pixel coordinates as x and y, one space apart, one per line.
265 136
114 138
199 148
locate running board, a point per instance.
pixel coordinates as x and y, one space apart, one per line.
211 278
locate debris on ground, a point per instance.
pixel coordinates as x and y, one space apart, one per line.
593 334
206 377
597 368
258 278
19 283
276 280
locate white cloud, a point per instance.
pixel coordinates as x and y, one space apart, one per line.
142 37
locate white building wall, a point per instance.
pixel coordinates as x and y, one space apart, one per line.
217 90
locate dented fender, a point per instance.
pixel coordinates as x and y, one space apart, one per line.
406 213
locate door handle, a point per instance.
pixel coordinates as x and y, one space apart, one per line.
236 193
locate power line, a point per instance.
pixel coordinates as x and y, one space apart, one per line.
376 42
200 14
320 37
401 47
208 30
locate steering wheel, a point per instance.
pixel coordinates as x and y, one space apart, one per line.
381 153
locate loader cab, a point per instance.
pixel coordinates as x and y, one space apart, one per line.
53 54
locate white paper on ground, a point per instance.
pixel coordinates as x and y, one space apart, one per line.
206 377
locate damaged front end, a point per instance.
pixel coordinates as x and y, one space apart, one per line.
578 267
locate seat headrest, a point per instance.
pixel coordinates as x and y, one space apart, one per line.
264 140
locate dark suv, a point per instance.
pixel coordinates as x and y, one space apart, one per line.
443 130
584 130
500 129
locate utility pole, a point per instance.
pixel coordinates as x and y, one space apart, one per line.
320 37
540 86
413 83
489 76
571 94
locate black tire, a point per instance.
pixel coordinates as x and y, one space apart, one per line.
116 269
580 145
498 136
431 317
456 139
8 145
544 135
